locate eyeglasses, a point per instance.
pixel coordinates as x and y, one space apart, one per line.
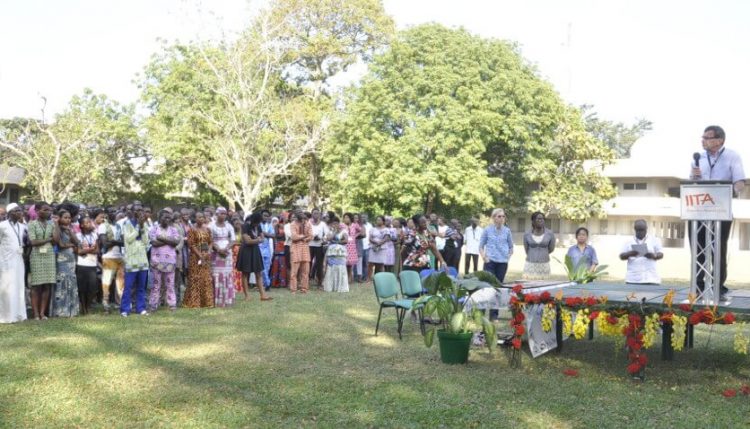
499 215
708 138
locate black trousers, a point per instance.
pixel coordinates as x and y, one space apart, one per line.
451 255
726 227
469 258
317 256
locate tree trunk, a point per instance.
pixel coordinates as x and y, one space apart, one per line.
314 183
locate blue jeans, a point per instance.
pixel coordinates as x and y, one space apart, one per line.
137 279
365 260
498 269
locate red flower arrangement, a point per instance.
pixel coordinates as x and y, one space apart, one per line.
633 332
571 372
729 393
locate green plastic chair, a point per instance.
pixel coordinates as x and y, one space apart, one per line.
411 287
387 294
411 284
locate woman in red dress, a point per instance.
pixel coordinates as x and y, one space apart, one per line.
353 230
278 264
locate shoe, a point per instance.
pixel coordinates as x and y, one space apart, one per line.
724 297
144 313
123 314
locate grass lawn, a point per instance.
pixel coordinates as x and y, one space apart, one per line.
313 361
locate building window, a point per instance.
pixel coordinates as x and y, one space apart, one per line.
635 186
603 226
674 192
555 225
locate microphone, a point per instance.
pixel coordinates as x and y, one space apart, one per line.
696 158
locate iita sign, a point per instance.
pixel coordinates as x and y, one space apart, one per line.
706 201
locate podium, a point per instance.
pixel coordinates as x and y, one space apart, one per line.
705 204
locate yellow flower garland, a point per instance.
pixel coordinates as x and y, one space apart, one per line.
741 340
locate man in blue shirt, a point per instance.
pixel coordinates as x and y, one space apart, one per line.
496 246
718 163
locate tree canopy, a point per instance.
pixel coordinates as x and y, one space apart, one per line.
87 153
619 136
451 119
238 116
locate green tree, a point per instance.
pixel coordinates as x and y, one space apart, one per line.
222 114
448 119
617 136
568 175
322 38
88 153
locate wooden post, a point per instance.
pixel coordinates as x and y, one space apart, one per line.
667 352
558 327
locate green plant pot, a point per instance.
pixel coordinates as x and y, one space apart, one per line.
454 348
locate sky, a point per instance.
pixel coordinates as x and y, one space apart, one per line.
680 64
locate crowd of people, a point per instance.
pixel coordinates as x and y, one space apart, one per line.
129 260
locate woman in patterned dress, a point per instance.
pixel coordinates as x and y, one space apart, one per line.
221 259
380 242
65 301
164 238
416 246
200 291
236 274
352 231
278 265
42 262
336 279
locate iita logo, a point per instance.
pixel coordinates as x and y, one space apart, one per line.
699 200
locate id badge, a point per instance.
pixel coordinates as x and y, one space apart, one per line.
43 249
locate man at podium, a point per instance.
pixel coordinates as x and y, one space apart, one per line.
718 163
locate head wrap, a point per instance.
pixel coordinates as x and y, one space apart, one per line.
220 210
11 207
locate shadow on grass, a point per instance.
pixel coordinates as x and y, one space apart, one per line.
309 362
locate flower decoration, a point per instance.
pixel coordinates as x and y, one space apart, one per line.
636 322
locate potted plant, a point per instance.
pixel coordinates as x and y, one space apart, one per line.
580 273
446 298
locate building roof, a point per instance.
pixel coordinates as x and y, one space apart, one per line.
11 175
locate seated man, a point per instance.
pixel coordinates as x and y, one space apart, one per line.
642 252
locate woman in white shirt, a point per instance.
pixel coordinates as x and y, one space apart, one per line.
88 249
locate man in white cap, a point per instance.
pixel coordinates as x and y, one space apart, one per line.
12 239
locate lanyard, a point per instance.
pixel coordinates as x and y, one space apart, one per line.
712 164
47 227
87 238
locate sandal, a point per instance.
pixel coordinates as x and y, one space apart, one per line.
266 298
